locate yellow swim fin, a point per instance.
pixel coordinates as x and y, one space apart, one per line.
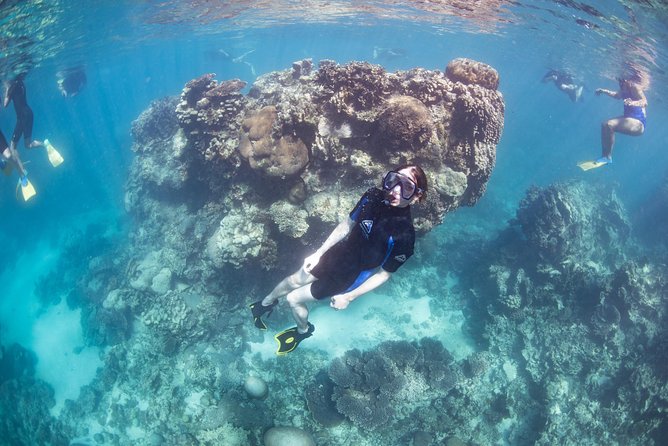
27 190
55 158
593 164
289 339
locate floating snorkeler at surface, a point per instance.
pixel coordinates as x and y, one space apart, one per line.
71 81
359 255
15 91
564 82
632 123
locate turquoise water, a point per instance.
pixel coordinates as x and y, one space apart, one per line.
138 52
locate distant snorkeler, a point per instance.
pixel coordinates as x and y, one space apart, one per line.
388 53
632 123
15 91
238 59
564 82
359 255
71 80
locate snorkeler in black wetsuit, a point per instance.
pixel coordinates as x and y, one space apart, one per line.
3 147
360 255
16 91
564 82
71 81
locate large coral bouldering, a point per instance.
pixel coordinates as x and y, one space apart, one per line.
312 140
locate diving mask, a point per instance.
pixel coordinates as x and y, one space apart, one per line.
408 186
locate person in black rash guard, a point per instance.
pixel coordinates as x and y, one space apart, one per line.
9 158
16 91
564 82
360 254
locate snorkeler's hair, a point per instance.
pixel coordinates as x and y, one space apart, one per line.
420 176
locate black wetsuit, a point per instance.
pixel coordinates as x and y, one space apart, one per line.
24 116
383 236
3 143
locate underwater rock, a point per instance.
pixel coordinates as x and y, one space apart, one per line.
472 72
281 158
422 438
15 362
297 193
319 401
650 217
636 300
352 89
104 327
210 114
562 221
404 124
302 68
256 387
26 418
235 242
390 382
162 282
157 122
290 219
287 436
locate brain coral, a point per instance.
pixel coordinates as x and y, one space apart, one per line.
471 72
405 123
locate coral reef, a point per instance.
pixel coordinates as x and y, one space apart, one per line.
287 436
223 184
308 136
576 320
282 158
561 222
471 72
394 381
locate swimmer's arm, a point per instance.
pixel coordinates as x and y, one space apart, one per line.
341 301
612 94
338 234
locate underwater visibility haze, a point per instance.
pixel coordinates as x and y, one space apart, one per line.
209 147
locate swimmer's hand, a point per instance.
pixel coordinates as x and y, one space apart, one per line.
311 261
599 91
339 302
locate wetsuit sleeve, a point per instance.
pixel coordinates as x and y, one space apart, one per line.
401 249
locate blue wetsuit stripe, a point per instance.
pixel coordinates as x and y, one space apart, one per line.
356 212
361 278
364 275
390 245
